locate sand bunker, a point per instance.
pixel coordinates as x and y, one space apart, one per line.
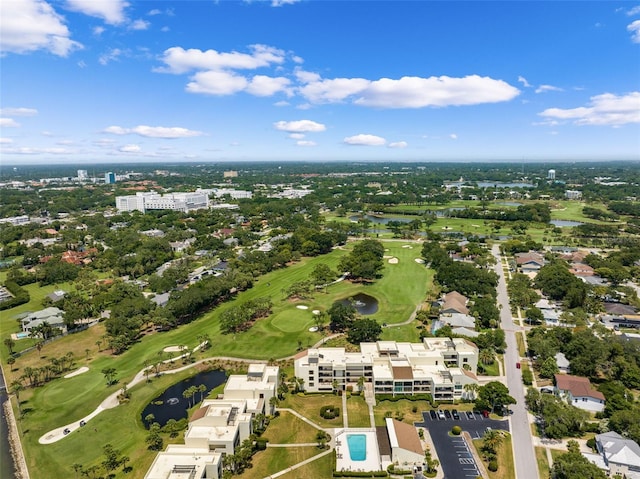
313 329
302 306
386 256
419 260
407 246
393 261
173 349
83 369
316 311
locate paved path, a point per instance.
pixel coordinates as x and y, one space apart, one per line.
525 459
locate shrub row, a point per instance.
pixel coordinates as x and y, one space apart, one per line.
360 474
409 397
20 295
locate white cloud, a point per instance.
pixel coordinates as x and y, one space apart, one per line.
398 144
545 88
9 111
8 123
130 149
453 136
216 83
279 3
306 77
411 92
169 133
524 81
25 150
139 25
282 103
366 140
154 12
634 29
179 60
306 143
111 55
633 11
5 141
30 25
111 11
296 136
299 126
99 30
262 85
605 109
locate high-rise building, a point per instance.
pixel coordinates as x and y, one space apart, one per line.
83 175
110 178
551 175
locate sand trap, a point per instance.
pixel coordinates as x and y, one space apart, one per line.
446 227
386 256
393 261
83 369
313 329
419 260
476 226
407 246
316 311
302 306
173 349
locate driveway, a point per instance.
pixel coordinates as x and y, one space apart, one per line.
454 455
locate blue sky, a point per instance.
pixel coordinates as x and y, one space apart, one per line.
129 81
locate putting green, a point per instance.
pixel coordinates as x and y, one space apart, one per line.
292 320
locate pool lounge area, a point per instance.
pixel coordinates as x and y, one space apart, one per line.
357 450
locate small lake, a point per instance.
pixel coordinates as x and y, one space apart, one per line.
380 220
509 203
565 223
363 303
172 405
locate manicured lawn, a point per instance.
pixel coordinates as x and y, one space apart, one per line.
309 406
402 408
289 429
358 412
543 463
506 466
521 347
275 459
319 468
405 333
402 287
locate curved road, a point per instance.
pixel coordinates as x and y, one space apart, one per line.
523 451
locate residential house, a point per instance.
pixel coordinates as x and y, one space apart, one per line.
56 296
454 302
579 392
52 316
562 362
621 455
182 461
530 262
404 442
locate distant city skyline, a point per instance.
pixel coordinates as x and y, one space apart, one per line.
114 81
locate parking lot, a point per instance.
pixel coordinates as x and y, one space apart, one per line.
454 455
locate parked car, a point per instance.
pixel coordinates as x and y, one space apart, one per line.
447 414
433 414
470 415
441 414
455 415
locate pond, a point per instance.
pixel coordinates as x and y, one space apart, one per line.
509 203
171 404
379 220
565 223
363 303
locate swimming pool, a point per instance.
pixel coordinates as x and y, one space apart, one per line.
22 335
357 446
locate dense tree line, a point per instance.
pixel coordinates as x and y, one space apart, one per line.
537 212
556 282
365 261
240 318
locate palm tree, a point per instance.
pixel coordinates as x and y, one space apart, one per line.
486 356
202 389
15 387
492 439
9 343
471 390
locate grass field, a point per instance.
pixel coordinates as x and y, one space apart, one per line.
289 429
358 412
309 406
400 409
506 465
543 462
321 467
402 287
275 459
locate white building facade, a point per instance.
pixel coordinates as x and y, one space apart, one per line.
144 201
437 366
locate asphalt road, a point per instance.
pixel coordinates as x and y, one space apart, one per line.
525 459
455 458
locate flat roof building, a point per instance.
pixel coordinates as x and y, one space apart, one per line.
143 201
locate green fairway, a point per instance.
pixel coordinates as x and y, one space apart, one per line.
399 291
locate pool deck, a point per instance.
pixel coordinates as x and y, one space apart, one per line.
343 459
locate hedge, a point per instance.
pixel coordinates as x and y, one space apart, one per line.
409 397
360 474
329 412
20 295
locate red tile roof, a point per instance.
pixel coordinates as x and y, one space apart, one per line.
577 386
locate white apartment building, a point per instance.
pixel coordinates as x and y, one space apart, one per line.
144 201
219 426
220 192
437 366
